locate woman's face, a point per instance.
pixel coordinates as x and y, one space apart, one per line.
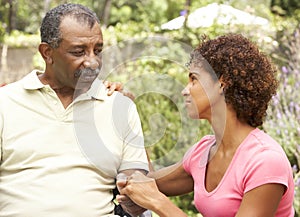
201 93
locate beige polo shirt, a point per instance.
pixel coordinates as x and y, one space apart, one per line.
63 162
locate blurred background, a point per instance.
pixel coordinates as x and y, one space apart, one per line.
147 43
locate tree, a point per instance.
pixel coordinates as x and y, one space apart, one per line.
285 7
106 12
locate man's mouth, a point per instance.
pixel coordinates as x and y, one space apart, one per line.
87 74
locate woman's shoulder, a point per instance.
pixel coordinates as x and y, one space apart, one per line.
200 147
260 141
204 143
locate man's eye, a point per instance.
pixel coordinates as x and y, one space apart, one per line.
98 52
77 53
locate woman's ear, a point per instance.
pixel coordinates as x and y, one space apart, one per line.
222 85
221 90
46 52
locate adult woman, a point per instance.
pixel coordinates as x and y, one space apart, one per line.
240 170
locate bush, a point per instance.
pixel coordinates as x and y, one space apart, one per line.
2 32
20 39
283 121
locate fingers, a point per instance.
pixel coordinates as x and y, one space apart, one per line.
121 181
129 206
137 176
122 198
113 86
134 210
117 86
129 94
125 200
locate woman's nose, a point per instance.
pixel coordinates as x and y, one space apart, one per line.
185 91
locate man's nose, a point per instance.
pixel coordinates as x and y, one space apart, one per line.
92 62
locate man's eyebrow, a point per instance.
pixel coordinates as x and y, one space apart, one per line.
84 46
100 44
78 46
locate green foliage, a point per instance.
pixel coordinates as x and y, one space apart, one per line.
121 15
285 7
186 203
29 16
2 32
21 39
173 9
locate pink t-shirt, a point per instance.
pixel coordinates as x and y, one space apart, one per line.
258 160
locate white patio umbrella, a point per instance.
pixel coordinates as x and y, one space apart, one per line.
215 13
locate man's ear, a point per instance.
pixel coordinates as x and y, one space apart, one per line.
46 52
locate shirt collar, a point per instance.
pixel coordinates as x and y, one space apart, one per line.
97 91
32 82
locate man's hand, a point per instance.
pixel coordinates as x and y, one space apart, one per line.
129 206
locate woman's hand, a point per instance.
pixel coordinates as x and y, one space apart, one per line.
141 189
117 86
144 192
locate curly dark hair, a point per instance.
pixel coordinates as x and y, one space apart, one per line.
248 75
50 32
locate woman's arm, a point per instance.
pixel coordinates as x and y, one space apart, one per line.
173 180
262 201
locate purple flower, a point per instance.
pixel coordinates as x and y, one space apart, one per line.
183 12
295 168
284 69
297 182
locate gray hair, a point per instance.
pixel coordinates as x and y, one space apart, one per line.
50 32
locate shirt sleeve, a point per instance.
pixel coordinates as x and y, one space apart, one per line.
199 148
134 154
268 166
186 161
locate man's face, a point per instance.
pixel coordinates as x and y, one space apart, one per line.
77 61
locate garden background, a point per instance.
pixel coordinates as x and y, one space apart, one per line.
150 61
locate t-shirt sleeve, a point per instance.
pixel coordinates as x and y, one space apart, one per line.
187 159
134 153
268 166
196 149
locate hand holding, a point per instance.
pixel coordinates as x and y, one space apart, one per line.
142 190
127 204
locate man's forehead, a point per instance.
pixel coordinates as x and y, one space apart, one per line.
69 25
